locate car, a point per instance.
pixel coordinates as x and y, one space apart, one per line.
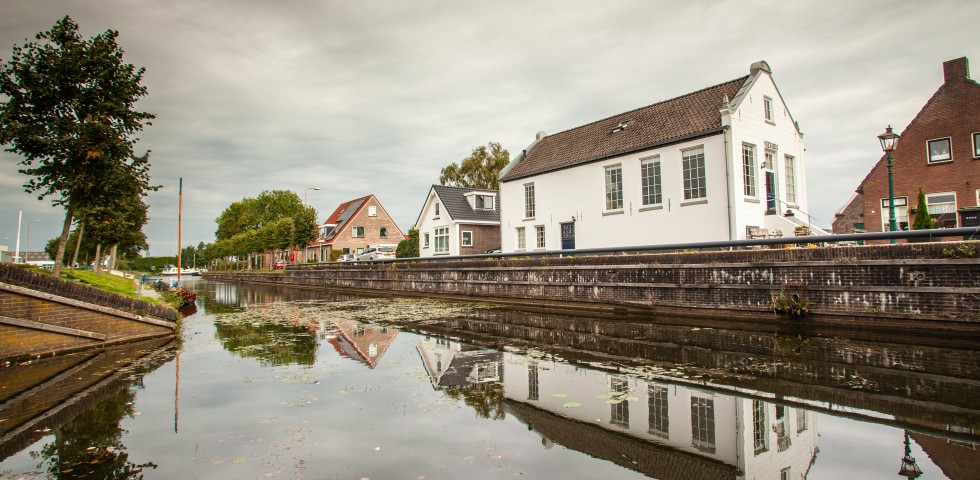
378 253
280 264
347 257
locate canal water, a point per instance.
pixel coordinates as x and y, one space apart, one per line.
275 383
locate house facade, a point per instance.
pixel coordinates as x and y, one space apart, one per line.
352 227
939 151
706 166
458 221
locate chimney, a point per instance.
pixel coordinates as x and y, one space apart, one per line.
958 69
760 65
540 135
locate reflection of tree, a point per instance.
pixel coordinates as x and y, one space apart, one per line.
486 398
273 344
90 446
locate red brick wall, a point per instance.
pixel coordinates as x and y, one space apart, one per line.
372 228
953 111
851 218
485 238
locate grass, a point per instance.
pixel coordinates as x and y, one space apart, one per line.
109 283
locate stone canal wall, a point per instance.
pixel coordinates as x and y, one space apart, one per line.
932 285
41 315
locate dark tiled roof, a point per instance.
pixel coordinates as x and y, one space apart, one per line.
454 200
683 117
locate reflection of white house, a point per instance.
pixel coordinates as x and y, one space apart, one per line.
706 166
453 364
761 439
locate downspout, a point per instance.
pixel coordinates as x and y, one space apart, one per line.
728 186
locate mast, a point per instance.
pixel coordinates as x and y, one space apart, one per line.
180 208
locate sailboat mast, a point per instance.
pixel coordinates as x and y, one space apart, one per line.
180 209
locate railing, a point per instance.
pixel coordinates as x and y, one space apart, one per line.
809 218
968 233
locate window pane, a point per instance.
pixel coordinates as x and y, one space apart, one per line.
539 236
939 150
694 180
614 187
528 200
790 179
659 418
650 175
748 170
703 424
521 239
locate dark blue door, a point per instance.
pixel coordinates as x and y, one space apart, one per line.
568 236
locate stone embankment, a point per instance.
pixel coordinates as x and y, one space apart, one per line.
921 286
42 315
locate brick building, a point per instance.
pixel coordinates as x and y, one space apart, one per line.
939 151
458 221
352 227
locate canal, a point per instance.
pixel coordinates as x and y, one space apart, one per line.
284 383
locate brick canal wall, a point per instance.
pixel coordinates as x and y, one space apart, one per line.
934 285
41 315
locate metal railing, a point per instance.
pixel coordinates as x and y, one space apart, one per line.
967 233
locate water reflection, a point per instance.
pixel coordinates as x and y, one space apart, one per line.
361 342
464 372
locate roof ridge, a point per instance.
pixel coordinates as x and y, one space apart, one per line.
742 79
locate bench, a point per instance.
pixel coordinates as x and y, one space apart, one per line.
755 232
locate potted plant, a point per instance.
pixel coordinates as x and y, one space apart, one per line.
922 219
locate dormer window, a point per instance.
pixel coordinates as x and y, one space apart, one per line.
622 126
484 202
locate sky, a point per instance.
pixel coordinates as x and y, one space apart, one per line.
375 97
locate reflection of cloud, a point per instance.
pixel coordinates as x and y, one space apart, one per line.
259 95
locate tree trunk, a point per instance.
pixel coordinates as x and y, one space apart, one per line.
78 245
60 253
112 258
97 265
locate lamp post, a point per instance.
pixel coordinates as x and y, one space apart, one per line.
308 191
909 469
27 243
889 141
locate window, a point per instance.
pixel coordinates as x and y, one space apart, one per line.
650 175
484 202
425 240
659 420
940 150
901 213
614 187
442 239
437 210
467 239
767 105
770 161
694 181
383 232
801 423
358 232
703 424
784 474
539 236
790 179
521 239
372 211
976 145
942 208
748 170
528 200
760 427
619 412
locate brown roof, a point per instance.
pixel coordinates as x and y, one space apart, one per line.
687 116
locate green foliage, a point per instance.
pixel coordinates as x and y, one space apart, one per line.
267 207
960 251
479 170
794 303
408 248
144 264
922 221
335 255
69 111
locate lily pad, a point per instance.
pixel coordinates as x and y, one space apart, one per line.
571 404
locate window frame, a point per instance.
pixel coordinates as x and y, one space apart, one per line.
521 238
929 155
613 181
651 182
749 181
529 202
935 216
900 211
976 144
440 240
695 188
437 211
703 436
789 174
540 238
478 198
383 232
372 211
768 110
425 240
463 238
355 230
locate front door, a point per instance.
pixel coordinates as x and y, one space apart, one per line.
770 191
568 236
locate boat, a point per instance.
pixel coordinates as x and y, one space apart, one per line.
172 270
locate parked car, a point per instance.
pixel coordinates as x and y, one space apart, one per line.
280 264
347 257
380 253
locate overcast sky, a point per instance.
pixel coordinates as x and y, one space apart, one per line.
376 97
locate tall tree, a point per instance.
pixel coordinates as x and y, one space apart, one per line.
70 113
479 170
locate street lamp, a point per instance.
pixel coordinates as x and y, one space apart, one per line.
909 469
308 191
27 244
889 141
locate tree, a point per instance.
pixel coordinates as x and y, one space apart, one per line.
70 113
408 248
479 170
922 221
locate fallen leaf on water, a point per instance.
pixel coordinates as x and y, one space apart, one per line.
239 459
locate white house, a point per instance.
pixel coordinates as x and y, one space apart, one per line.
706 166
458 221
